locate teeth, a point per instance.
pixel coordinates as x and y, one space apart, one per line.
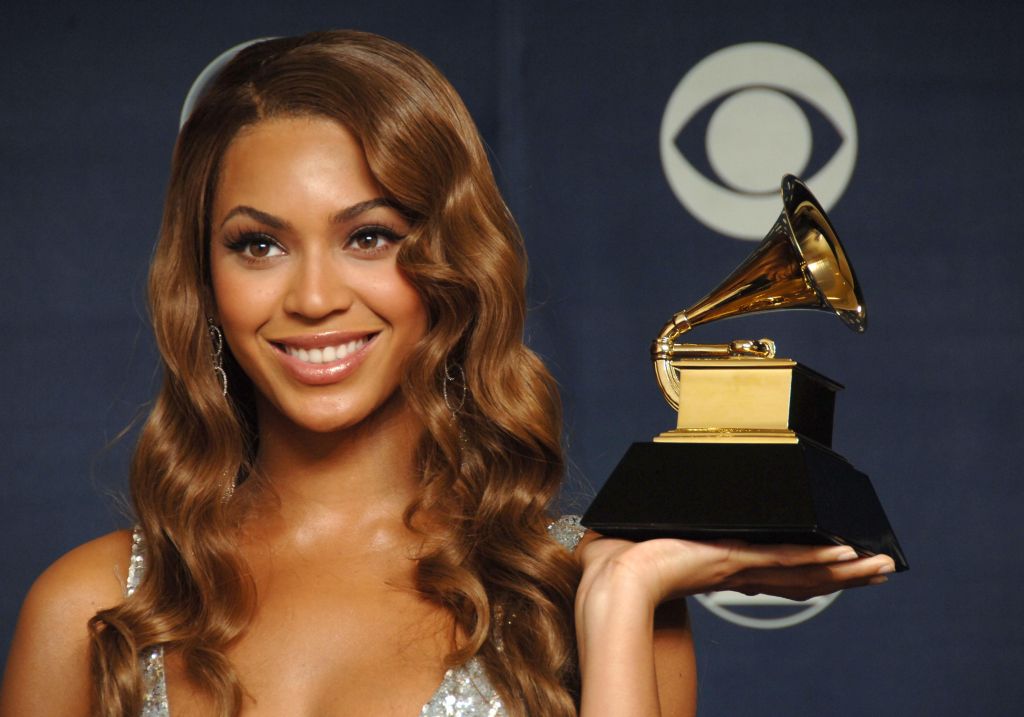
328 354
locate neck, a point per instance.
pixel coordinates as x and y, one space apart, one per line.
361 474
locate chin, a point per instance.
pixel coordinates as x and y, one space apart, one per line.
327 421
332 418
327 425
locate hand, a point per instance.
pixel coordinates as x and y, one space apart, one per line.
666 568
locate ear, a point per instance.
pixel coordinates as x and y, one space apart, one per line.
209 303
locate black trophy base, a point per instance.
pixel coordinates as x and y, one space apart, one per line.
762 493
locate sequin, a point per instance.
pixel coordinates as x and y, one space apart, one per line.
151 661
567 531
465 691
154 702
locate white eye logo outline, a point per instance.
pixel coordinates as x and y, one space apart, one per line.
731 70
207 75
721 604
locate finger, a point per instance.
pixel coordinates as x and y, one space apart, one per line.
885 564
801 582
807 592
747 555
872 565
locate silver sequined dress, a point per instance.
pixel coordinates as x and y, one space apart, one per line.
465 691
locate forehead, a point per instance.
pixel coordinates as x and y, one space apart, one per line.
282 160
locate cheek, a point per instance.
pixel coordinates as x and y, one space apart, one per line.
242 304
390 296
410 310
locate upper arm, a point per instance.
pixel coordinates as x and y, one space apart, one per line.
674 662
48 665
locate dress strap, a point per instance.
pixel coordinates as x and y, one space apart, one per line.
151 660
567 531
137 564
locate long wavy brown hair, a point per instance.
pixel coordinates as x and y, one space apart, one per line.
488 478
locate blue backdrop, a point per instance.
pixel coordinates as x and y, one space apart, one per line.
571 98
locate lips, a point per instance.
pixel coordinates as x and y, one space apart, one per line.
324 358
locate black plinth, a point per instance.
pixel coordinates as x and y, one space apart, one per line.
763 493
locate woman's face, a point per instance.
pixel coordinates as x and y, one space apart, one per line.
302 256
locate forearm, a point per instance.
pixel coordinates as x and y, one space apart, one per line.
615 637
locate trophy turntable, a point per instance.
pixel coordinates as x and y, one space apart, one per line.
751 454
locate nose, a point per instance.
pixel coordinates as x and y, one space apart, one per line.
318 288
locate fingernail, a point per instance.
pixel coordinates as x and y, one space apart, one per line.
886 569
846 553
878 580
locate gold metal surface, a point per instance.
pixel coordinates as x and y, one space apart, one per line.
712 411
725 435
800 264
761 348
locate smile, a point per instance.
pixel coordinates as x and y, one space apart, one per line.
318 360
327 354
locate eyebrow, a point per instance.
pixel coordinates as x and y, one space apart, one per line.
361 208
339 217
269 219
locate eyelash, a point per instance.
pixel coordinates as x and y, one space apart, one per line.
389 235
241 241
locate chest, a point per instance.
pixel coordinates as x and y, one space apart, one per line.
333 638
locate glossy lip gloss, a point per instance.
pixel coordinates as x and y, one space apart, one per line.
321 374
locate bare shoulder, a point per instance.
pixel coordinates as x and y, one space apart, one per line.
99 567
90 577
51 640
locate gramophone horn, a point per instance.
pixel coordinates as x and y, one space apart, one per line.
800 264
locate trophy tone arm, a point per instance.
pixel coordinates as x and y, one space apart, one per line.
665 352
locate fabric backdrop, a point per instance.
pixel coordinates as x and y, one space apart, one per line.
631 186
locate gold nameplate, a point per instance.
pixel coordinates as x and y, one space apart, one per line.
749 400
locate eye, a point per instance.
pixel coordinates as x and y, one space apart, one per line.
255 245
372 240
748 139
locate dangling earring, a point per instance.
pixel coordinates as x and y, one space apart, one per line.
229 489
457 385
217 355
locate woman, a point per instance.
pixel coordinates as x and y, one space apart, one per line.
343 487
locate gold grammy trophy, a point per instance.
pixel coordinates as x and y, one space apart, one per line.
750 456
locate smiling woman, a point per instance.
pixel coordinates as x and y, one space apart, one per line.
347 510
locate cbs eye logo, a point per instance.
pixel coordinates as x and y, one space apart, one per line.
740 119
763 612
